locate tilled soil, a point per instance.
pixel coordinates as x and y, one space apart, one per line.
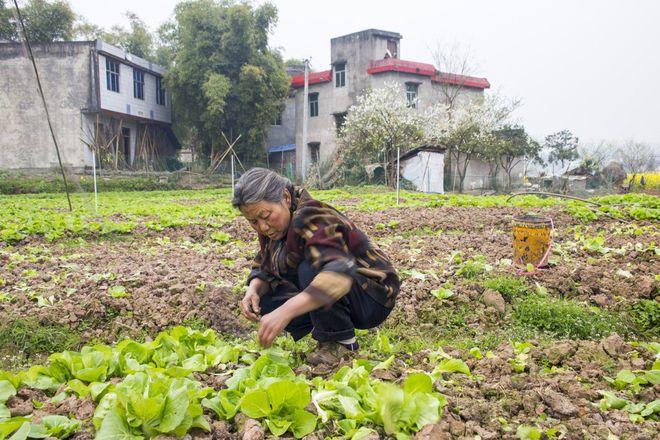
182 276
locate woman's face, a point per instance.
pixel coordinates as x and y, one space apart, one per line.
268 218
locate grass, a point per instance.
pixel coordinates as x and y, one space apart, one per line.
566 318
473 267
645 315
30 337
196 323
508 286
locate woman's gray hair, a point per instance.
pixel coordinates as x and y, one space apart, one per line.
259 184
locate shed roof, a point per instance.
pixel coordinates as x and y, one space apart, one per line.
415 151
282 148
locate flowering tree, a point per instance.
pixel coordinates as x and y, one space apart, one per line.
381 121
470 131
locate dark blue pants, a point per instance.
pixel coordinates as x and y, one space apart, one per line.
356 309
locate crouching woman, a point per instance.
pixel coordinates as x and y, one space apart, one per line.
315 271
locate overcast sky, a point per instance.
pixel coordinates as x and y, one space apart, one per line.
590 66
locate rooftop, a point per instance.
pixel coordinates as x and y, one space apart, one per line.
314 78
369 32
404 66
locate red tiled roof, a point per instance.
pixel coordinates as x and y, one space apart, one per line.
314 78
461 80
397 65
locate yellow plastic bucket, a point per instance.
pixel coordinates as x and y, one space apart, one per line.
531 240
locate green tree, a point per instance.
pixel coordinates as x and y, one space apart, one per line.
7 25
136 39
45 21
223 76
165 43
295 63
513 145
84 30
563 148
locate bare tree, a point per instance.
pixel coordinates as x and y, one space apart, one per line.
454 63
595 156
636 157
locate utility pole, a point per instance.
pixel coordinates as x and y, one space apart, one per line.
303 171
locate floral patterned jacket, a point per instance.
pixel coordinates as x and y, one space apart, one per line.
332 244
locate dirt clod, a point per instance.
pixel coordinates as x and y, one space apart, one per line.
252 430
560 404
495 300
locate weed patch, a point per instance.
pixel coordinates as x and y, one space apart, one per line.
565 317
508 286
645 314
30 337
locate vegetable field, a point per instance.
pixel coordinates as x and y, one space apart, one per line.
125 324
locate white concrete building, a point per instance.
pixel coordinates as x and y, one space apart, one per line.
360 60
98 97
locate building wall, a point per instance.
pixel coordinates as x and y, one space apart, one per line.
357 50
320 129
124 101
477 176
66 75
73 78
285 133
333 100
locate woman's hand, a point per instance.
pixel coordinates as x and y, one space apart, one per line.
250 304
272 325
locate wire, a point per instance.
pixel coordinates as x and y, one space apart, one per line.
43 99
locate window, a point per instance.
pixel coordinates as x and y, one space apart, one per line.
160 91
313 104
112 74
391 48
314 151
411 94
138 84
340 118
340 75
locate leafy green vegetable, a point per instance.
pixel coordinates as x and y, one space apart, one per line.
6 391
282 403
450 366
118 292
154 403
54 426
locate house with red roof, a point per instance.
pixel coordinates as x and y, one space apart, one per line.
361 60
